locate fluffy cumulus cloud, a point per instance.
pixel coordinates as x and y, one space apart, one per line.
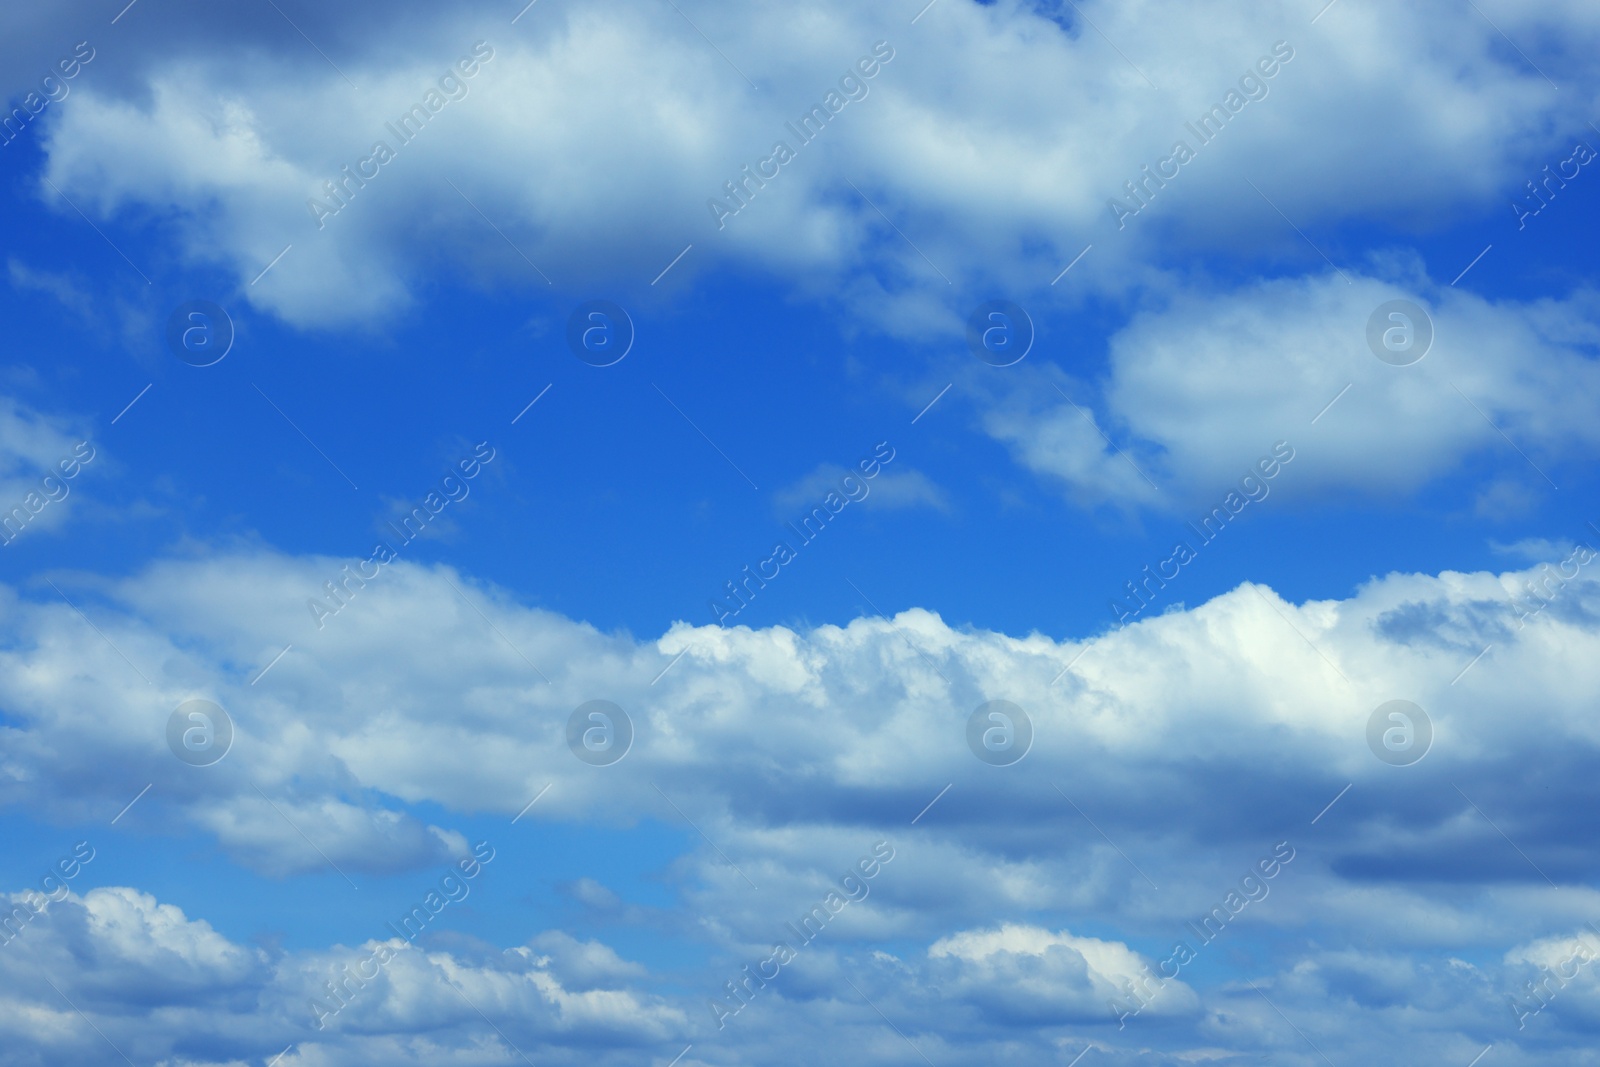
1202 387
541 168
159 986
1214 849
1028 975
591 176
795 751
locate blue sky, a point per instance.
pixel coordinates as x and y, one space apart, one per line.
985 525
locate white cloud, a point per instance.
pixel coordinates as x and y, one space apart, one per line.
1026 974
596 176
155 982
869 716
1202 387
794 751
164 987
593 139
119 942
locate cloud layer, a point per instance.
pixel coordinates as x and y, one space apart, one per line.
1201 387
1351 829
990 182
791 750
